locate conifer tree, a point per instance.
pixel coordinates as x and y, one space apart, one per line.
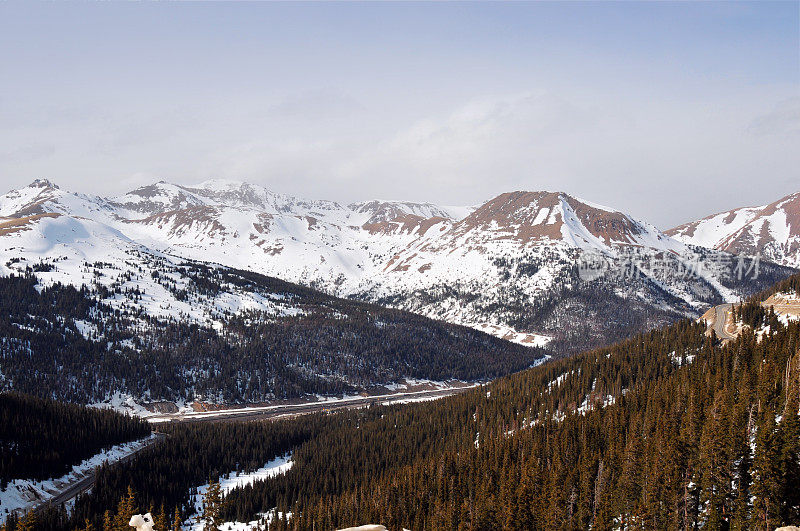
716 463
766 477
631 479
789 435
160 520
212 506
176 520
126 508
28 522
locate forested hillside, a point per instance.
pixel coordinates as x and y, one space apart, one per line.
161 477
85 344
42 439
668 430
692 434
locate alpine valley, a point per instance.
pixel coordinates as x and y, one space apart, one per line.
171 292
345 266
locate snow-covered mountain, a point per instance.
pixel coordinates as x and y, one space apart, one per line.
511 267
771 230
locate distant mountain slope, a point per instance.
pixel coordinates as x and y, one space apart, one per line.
771 230
512 267
157 328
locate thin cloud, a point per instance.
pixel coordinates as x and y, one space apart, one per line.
784 119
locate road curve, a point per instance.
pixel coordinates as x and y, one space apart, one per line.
720 320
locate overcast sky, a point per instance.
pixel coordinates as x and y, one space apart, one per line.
666 111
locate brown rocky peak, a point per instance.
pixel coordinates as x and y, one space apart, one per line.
522 216
387 217
527 216
608 225
42 183
514 208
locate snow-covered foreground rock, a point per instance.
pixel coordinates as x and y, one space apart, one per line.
23 494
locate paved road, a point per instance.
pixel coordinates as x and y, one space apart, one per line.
292 410
790 309
84 484
720 318
266 412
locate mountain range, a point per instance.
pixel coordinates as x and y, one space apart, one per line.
772 231
512 266
168 294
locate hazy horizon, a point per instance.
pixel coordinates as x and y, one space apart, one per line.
666 111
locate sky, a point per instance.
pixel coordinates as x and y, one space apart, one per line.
667 111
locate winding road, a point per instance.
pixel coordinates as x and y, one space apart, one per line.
720 320
85 483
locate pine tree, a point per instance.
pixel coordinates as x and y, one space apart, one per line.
160 521
743 464
212 506
789 435
631 479
176 520
716 464
126 508
766 477
28 522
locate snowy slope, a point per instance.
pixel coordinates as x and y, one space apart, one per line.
771 230
481 266
234 480
20 495
520 249
78 251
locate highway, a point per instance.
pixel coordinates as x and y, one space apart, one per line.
788 308
82 485
252 413
293 410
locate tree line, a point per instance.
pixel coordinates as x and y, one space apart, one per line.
670 429
41 439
